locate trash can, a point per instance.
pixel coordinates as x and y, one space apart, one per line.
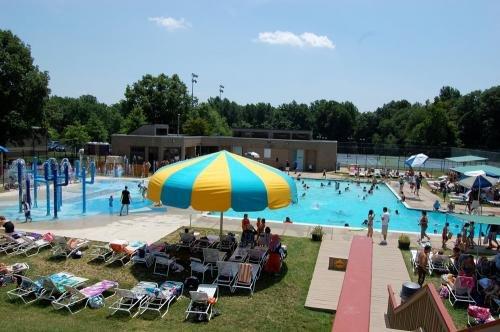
407 290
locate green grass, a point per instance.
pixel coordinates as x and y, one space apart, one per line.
277 304
457 313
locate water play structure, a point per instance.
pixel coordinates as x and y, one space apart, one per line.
81 174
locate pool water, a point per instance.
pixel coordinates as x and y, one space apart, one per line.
97 201
324 206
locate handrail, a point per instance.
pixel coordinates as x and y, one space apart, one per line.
424 309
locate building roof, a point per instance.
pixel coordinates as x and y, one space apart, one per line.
488 169
466 159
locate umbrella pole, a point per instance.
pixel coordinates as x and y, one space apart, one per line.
221 218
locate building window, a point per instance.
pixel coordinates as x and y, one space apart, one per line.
237 150
153 154
137 154
267 153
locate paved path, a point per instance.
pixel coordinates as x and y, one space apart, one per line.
325 287
388 268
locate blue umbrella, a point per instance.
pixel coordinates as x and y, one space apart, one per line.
416 160
477 180
3 149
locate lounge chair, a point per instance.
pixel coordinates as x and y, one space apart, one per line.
162 264
101 252
209 241
362 172
353 171
74 296
143 255
197 266
377 173
226 274
441 266
53 286
30 246
460 291
228 243
257 256
160 297
26 289
202 301
247 277
67 248
414 261
12 245
187 240
211 257
123 251
129 299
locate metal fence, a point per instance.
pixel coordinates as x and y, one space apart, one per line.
392 156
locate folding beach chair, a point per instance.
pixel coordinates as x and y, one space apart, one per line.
68 248
247 277
187 240
74 296
202 301
26 289
226 274
161 297
129 299
12 245
460 291
211 257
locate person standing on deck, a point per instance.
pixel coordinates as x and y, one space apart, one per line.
422 264
385 225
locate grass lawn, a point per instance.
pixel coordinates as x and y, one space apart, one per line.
457 313
277 304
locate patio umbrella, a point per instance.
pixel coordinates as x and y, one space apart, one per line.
221 181
416 160
252 154
477 180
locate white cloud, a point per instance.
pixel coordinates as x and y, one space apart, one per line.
170 23
306 39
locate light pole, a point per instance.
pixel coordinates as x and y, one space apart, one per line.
178 122
221 91
193 81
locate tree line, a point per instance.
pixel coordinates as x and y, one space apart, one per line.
450 119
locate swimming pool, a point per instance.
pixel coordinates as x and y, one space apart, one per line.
97 201
324 206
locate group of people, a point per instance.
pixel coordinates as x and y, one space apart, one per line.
385 224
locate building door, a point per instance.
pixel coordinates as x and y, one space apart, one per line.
237 150
300 159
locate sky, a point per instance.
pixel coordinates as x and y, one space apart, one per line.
367 52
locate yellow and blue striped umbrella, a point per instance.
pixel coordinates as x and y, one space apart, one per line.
220 181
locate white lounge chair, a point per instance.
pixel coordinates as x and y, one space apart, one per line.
257 256
460 291
441 266
128 299
247 277
53 286
377 173
202 301
162 264
27 289
101 252
161 297
414 261
67 248
73 296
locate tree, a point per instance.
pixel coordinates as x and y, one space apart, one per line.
23 89
160 97
134 120
196 127
76 135
217 125
96 129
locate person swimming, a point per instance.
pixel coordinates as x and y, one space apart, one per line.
396 212
364 189
340 192
329 183
304 194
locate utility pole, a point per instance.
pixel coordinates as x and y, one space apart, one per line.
221 91
193 81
